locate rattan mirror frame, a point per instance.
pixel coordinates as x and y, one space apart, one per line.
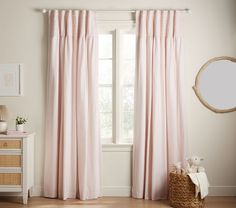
198 93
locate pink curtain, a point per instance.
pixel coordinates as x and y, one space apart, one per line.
72 149
159 139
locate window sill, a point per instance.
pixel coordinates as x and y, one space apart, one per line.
117 147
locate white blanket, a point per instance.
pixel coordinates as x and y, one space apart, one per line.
201 183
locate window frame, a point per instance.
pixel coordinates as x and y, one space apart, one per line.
116 28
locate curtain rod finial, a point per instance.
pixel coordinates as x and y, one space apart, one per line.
44 11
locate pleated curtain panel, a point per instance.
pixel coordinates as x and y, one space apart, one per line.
72 149
159 138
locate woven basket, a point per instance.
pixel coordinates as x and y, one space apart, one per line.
182 192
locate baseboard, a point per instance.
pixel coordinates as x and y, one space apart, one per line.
37 191
222 191
124 191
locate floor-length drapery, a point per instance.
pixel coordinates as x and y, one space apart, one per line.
158 126
72 149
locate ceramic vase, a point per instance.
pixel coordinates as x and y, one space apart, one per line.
20 127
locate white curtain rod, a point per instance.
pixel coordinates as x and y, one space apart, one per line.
187 10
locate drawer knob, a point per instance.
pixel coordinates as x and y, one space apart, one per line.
4 144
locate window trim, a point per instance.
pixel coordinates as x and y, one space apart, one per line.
116 136
116 29
117 147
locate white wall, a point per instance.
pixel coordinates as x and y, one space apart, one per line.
209 31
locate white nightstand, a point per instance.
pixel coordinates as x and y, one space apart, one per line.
17 164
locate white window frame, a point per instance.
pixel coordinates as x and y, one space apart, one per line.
112 84
115 25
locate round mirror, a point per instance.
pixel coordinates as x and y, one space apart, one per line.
215 84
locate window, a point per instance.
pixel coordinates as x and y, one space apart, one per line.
105 86
116 85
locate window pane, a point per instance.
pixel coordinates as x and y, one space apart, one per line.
127 86
127 99
128 46
105 72
128 69
105 46
106 125
127 126
105 99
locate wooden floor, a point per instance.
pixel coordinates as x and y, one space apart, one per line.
108 202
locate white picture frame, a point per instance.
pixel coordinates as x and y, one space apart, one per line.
11 80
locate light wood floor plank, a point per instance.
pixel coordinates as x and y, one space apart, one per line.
107 202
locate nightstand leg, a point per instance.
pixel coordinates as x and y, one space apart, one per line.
25 197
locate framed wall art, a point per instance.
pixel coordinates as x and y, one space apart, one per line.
11 80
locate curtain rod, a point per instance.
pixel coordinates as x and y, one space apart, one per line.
187 10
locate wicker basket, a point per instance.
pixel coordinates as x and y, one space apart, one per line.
182 192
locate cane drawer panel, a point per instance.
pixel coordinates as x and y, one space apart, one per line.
10 178
10 161
10 144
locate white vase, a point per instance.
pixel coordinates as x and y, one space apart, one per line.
20 127
3 126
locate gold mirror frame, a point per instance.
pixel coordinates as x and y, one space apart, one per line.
197 92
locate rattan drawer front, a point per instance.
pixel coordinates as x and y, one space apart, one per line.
10 144
10 179
10 161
